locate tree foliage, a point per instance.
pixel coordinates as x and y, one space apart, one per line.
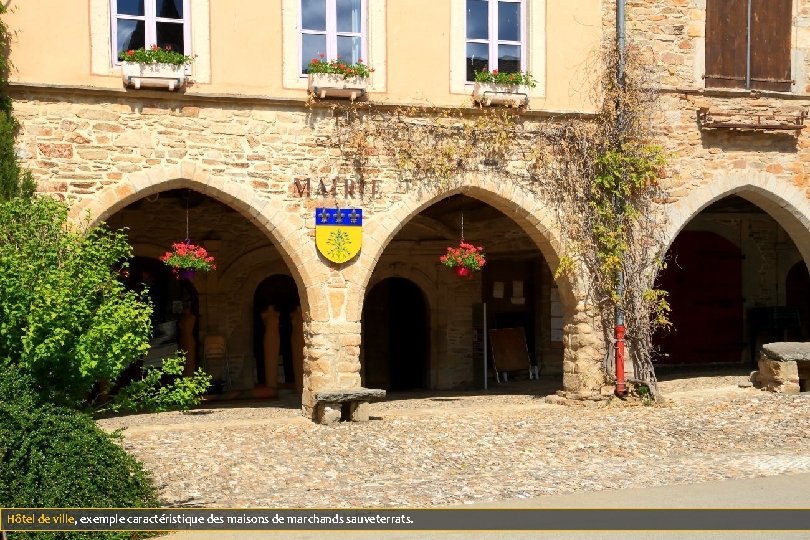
14 181
66 320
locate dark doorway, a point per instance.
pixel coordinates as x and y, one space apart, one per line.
175 311
704 281
395 336
280 292
512 308
797 296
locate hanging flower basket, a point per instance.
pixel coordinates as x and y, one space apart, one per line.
464 259
185 257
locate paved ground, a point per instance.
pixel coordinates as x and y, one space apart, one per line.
785 491
463 448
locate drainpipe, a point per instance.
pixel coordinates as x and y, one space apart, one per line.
621 390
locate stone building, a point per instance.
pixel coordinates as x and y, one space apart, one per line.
225 159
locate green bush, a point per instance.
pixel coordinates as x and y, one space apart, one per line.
55 457
163 389
64 316
66 319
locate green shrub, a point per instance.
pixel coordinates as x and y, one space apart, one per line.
64 316
55 457
66 319
163 389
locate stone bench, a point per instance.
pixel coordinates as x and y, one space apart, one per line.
347 405
783 367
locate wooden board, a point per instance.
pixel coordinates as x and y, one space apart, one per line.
509 351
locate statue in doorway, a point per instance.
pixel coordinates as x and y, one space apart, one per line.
297 344
271 344
185 339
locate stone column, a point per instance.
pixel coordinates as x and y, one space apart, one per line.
331 360
583 372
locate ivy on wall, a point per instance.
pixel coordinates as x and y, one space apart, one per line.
599 172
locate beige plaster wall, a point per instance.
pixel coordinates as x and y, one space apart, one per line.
414 44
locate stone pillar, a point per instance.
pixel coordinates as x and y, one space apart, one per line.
583 372
331 359
297 340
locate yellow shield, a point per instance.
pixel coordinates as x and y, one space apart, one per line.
338 233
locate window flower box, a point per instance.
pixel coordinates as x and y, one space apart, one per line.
167 76
337 79
154 67
512 95
332 85
501 88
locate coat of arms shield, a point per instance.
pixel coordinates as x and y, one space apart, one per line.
338 233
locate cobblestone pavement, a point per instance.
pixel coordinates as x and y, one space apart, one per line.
444 448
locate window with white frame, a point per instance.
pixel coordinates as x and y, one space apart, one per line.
496 36
332 29
144 23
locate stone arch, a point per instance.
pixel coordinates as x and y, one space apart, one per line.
409 272
287 231
785 203
524 208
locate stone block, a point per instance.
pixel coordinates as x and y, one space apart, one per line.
56 150
361 412
327 415
786 351
781 376
96 114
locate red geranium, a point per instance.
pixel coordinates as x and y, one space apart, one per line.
187 256
465 255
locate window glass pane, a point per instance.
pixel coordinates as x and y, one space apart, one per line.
509 58
312 45
348 16
170 35
130 7
169 9
477 59
313 14
477 19
509 21
130 34
348 48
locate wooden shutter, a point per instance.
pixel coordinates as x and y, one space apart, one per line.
726 22
771 22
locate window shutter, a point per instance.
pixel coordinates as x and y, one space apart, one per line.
771 22
726 22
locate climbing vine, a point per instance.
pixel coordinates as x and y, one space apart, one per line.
598 171
13 179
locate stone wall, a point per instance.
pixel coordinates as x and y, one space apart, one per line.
104 153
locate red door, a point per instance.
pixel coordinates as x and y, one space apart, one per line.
704 281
